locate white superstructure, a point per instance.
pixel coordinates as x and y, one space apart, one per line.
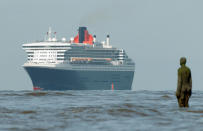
48 52
52 51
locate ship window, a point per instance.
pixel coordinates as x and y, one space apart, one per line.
60 59
60 52
60 55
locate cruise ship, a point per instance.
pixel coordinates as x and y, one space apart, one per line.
81 63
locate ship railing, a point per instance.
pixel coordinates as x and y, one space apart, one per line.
106 68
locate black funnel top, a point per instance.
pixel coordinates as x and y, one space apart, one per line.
82 34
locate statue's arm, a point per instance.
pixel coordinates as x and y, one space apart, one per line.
179 85
190 84
190 80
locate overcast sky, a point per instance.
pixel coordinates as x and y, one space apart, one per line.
154 33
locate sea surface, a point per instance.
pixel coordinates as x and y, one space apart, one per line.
98 111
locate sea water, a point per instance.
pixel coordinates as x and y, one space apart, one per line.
98 111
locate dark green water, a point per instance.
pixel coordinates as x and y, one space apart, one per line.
98 111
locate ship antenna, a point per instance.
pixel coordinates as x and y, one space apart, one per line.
49 34
55 35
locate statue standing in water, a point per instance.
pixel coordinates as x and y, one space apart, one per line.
184 89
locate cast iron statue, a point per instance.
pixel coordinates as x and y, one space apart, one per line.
184 88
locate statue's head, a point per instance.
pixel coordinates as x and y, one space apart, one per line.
183 61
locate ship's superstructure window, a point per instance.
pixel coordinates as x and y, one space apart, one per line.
46 56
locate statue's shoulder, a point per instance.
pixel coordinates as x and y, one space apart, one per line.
188 68
183 69
180 70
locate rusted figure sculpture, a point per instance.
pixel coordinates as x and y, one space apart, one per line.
184 88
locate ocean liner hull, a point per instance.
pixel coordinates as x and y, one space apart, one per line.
62 79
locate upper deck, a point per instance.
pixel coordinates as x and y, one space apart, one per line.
86 51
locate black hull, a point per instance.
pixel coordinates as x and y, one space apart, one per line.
59 79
